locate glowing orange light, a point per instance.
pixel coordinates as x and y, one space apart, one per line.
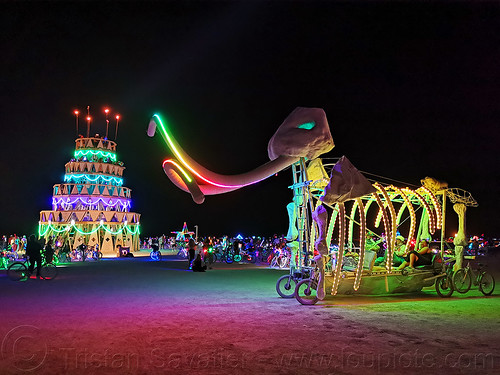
88 118
106 111
76 113
117 117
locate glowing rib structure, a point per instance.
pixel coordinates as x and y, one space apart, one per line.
190 176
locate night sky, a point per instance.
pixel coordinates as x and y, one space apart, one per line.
410 90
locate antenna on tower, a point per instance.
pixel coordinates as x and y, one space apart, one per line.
116 129
88 121
107 121
76 114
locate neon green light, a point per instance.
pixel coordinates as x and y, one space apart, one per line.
307 125
42 233
180 168
104 154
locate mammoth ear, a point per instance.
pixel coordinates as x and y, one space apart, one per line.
304 133
346 183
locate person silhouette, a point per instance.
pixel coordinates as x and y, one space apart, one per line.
34 252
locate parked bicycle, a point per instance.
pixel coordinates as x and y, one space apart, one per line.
464 278
306 289
20 270
155 254
182 254
285 286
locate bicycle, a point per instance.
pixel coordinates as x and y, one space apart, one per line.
444 282
155 255
7 258
20 270
182 254
281 259
465 277
306 290
96 254
286 284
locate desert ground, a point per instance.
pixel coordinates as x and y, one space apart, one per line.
138 316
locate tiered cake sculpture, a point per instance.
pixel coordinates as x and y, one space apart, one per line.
92 206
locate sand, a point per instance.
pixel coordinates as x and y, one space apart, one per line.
136 316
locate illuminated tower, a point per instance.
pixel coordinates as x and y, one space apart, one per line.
92 206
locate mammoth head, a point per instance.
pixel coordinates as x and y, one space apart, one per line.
304 133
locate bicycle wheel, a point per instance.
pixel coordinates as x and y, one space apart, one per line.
48 271
305 292
444 286
284 262
17 271
229 259
285 286
462 280
486 283
237 258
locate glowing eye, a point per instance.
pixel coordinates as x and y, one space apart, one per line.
307 125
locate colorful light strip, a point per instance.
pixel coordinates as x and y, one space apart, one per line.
109 202
104 154
118 181
186 176
171 144
67 227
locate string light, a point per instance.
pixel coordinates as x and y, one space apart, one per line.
340 254
391 237
388 265
104 154
436 204
430 214
362 233
67 227
407 204
91 201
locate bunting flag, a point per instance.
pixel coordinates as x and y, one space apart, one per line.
108 215
79 215
95 215
119 216
66 216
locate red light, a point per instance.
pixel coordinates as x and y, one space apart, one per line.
88 118
76 113
117 117
106 110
